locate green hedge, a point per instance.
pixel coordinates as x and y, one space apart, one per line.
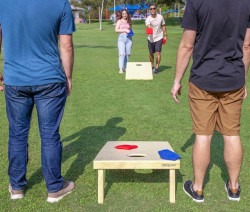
173 21
97 20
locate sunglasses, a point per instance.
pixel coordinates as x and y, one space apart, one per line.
153 8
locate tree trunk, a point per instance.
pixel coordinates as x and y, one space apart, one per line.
100 14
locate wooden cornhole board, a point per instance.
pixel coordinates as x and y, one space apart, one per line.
139 71
144 157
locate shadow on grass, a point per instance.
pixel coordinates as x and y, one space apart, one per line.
84 145
163 68
139 176
217 159
94 47
217 156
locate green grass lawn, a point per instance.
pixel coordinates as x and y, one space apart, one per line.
104 106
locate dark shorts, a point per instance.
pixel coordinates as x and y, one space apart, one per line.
215 111
155 46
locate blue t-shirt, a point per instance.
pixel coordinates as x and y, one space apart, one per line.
30 36
217 57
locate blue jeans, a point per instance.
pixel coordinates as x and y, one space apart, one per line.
50 101
124 47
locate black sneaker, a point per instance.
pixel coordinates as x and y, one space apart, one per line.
195 195
232 194
155 71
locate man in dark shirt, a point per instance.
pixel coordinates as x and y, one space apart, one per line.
217 35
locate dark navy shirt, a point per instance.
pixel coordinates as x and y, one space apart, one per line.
217 57
30 36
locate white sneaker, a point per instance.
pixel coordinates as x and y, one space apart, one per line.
120 71
67 188
16 194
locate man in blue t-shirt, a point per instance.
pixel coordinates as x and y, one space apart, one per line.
37 74
217 35
1 76
0 39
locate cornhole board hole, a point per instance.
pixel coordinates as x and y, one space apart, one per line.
139 71
144 157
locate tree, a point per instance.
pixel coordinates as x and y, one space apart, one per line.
157 2
93 3
100 14
75 3
90 6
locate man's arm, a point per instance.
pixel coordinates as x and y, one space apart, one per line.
184 54
67 57
246 51
164 29
246 55
147 22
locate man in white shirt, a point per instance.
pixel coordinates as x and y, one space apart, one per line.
157 23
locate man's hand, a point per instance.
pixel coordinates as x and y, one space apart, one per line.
1 82
69 86
176 89
67 56
245 94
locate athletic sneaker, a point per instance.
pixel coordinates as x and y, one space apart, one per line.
155 71
120 71
68 187
16 194
197 196
232 194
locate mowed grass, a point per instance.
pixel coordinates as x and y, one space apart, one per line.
104 106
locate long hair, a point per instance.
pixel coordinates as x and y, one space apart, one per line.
128 16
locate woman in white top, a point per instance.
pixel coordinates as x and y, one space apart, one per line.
123 27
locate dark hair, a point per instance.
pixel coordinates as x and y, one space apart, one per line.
128 17
152 4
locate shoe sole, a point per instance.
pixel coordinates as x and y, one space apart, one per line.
53 200
230 198
15 196
195 200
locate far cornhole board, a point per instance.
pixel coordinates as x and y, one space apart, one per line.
139 71
144 157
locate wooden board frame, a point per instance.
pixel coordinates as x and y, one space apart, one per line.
145 157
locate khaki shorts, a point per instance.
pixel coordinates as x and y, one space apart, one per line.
215 111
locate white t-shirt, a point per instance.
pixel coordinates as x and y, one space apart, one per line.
155 23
